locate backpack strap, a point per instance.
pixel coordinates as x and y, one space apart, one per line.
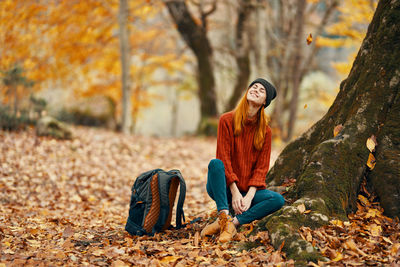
180 215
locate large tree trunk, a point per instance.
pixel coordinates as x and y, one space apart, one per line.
195 36
329 169
126 122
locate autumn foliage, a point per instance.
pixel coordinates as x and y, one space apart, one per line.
74 45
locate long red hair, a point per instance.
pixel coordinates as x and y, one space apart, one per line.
240 116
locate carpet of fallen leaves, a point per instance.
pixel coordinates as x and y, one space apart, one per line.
66 203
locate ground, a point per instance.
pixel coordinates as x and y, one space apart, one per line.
66 203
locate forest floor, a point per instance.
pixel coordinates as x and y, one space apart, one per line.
66 203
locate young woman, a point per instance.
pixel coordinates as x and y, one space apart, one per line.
236 178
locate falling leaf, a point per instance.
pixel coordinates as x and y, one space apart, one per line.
309 39
371 143
371 161
301 208
337 130
305 106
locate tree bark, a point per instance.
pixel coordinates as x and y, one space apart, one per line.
126 122
328 170
195 36
241 53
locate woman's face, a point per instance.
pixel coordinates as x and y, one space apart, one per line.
257 94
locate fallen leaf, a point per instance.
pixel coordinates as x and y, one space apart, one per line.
196 239
305 106
371 143
169 259
337 130
364 200
371 161
301 208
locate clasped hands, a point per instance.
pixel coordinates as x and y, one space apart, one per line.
240 204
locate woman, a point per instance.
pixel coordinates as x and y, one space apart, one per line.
236 178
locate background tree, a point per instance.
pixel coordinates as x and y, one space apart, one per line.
241 51
78 50
194 33
126 122
287 60
328 167
14 79
348 31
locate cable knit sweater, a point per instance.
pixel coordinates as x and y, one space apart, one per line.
244 164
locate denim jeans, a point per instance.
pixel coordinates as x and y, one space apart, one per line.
264 202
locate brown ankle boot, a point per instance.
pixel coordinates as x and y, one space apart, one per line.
211 229
228 229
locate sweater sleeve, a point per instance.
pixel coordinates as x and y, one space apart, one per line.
224 145
262 165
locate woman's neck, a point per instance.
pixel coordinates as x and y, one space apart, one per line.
252 111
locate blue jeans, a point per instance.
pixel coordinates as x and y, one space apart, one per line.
264 202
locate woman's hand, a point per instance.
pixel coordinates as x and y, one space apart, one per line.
248 198
246 202
237 200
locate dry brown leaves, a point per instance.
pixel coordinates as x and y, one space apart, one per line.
368 238
66 203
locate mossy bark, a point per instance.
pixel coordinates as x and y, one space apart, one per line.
329 169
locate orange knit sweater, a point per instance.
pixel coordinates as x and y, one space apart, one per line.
244 164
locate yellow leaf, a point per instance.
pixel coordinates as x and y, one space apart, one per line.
373 213
371 143
371 161
301 208
305 106
169 259
337 223
375 230
309 39
364 200
337 130
119 263
395 248
338 257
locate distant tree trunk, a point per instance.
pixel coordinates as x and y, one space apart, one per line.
15 89
241 53
328 170
285 68
295 70
126 122
195 36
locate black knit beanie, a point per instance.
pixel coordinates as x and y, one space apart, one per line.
271 91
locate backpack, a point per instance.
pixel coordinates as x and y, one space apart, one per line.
152 200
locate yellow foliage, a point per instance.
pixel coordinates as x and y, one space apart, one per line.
350 30
75 43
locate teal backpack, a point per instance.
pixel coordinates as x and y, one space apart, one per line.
152 201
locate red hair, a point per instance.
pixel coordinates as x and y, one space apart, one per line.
240 116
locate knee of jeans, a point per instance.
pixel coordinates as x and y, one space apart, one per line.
215 164
280 200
